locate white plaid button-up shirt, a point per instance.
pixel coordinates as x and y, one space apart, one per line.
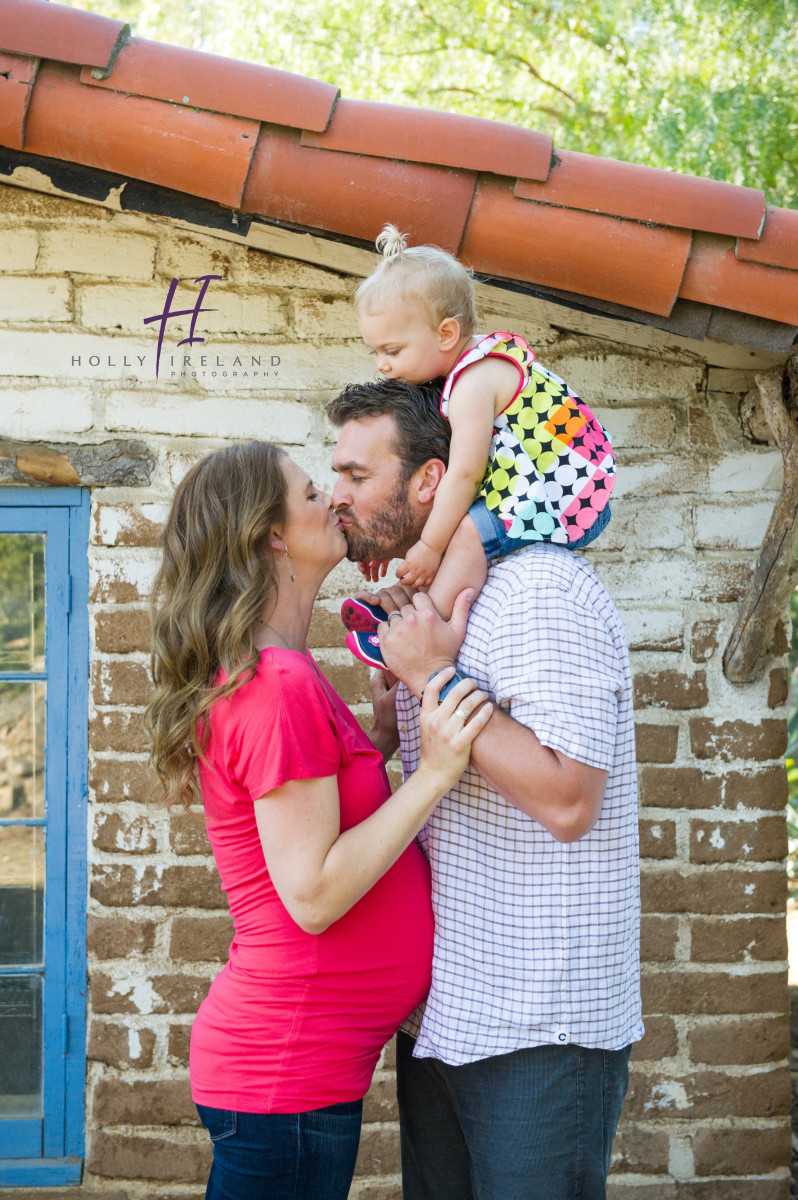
536 941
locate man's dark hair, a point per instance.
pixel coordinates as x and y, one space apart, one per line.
421 432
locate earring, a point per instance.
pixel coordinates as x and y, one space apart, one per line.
288 563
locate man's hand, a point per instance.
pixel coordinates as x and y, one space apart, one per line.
420 565
419 641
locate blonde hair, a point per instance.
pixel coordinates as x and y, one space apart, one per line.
216 572
425 275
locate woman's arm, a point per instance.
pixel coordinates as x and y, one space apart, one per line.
319 872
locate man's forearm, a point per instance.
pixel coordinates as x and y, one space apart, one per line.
560 793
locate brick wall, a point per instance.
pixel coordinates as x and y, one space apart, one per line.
707 1116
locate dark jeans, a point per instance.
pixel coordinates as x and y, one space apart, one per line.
283 1156
536 1124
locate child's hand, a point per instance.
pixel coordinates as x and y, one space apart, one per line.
374 569
420 565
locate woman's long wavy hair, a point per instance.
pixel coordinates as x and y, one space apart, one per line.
217 571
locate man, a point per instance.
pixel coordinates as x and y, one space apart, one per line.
512 1079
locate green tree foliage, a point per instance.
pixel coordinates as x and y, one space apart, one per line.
708 87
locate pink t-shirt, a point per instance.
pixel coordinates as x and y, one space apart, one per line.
296 1021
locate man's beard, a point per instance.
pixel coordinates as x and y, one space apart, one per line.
390 533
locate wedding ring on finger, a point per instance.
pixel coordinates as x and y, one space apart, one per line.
394 614
458 712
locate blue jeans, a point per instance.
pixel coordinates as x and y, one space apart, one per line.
536 1124
498 543
283 1156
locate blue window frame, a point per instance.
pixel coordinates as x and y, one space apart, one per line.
43 790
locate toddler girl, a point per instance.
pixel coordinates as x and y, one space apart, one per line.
528 462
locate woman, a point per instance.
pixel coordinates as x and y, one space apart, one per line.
328 891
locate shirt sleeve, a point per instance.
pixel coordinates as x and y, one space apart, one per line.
556 670
283 728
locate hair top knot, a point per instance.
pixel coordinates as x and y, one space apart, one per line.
391 244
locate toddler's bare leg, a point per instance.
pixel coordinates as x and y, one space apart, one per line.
463 566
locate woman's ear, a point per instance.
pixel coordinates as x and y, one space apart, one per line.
429 476
276 541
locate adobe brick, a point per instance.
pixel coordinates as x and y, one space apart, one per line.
119 937
119 682
656 743
179 1041
766 788
120 732
127 525
122 630
714 992
640 1151
182 886
657 838
187 833
764 840
708 1094
670 689
379 1152
617 1190
144 1102
679 787
116 780
120 1045
778 687
701 427
121 834
741 1152
379 1103
126 1156
350 681
769 1188
389 1055
326 629
727 740
179 993
734 1189
760 1040
729 890
659 1041
377 1190
106 998
658 936
761 939
703 640
201 939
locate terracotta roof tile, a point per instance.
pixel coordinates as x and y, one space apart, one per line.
445 139
622 261
355 195
46 30
715 275
778 245
201 153
220 84
16 76
604 185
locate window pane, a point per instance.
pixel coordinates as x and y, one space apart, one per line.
22 601
21 1046
21 895
22 732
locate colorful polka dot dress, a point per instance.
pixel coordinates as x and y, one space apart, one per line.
551 468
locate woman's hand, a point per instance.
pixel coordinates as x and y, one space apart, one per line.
448 728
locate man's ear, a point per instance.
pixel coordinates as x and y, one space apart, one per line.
426 479
448 333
